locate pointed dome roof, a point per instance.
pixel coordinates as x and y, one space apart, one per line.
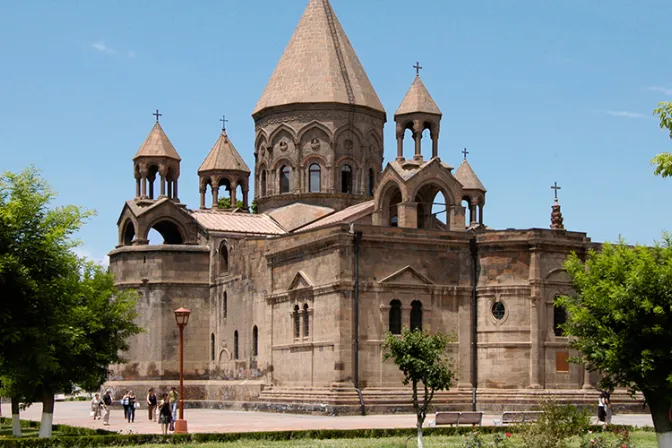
157 145
418 99
223 157
319 65
468 178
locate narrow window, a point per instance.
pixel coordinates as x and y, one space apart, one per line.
306 321
255 341
395 317
372 180
394 221
223 259
297 322
225 305
416 315
235 344
498 310
559 319
314 173
212 346
346 179
284 179
263 183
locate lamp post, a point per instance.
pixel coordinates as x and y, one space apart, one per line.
182 318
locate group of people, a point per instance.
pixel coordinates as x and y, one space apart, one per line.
604 411
166 410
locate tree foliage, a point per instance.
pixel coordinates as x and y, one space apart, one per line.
663 161
620 319
64 321
424 361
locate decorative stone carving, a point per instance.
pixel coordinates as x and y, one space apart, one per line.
348 144
315 144
283 146
556 217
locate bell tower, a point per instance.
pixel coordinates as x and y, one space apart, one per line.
156 159
319 122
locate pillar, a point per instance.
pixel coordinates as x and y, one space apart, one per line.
143 193
202 192
215 197
536 306
175 196
400 148
435 145
151 187
417 137
137 187
234 187
246 192
472 213
407 213
480 214
163 186
586 378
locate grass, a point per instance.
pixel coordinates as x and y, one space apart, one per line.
6 431
640 439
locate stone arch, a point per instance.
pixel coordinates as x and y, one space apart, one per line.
262 182
153 174
282 127
440 184
352 129
128 232
283 140
224 355
387 202
262 137
172 231
223 262
373 137
424 196
315 126
416 315
309 180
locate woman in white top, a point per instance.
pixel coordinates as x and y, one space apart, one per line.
95 407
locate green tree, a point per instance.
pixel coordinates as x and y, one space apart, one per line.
225 203
663 161
65 321
620 320
424 361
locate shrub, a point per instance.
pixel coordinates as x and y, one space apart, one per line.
557 423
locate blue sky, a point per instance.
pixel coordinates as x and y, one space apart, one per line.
538 91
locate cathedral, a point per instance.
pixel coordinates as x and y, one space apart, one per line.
293 292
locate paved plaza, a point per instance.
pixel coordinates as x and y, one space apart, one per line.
214 420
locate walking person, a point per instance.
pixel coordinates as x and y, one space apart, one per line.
107 405
124 403
601 408
607 407
132 404
173 397
95 406
151 405
165 414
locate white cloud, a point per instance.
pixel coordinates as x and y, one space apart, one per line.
622 113
664 90
101 47
82 251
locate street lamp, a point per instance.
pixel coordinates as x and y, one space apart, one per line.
182 318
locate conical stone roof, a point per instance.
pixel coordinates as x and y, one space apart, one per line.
468 178
157 144
418 99
223 157
319 65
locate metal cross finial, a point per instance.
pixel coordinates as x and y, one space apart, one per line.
465 152
556 188
417 68
224 121
157 115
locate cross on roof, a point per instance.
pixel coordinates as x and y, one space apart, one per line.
157 115
556 188
224 121
465 152
417 68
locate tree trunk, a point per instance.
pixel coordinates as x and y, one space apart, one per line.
659 405
47 414
16 418
420 422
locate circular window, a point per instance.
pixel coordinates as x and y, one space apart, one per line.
498 310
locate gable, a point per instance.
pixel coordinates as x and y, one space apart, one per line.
300 281
407 275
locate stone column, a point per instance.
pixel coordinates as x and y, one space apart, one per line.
215 197
234 187
407 213
202 192
137 187
162 192
472 213
417 137
400 148
143 193
480 214
175 196
151 187
536 306
435 144
586 378
245 198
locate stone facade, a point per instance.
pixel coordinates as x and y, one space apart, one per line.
273 294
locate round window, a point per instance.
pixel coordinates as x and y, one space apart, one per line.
498 310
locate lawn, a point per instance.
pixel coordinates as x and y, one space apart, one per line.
640 439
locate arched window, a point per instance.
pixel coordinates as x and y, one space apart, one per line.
372 181
255 341
314 181
416 315
223 259
235 344
346 179
263 183
559 319
284 179
297 322
128 234
168 231
306 321
212 346
225 305
395 317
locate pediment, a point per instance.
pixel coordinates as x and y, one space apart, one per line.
407 275
300 281
558 275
